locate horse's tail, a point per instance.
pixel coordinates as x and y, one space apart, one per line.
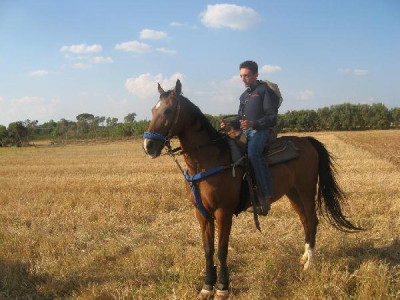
329 190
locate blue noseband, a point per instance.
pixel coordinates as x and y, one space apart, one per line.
154 136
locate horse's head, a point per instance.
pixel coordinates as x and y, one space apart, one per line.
163 125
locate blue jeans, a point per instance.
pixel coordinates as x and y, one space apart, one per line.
256 140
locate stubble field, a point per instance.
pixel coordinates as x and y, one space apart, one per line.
103 221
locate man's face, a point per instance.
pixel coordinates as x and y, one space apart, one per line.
248 77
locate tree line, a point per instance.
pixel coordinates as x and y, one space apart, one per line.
86 126
345 116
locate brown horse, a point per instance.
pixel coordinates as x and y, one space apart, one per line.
218 195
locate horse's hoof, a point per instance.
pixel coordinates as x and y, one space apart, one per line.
303 259
205 295
307 265
221 295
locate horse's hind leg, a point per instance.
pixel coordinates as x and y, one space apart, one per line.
305 208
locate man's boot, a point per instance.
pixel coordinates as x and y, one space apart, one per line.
263 206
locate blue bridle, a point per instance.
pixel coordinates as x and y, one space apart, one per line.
154 136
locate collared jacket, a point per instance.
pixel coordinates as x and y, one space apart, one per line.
260 105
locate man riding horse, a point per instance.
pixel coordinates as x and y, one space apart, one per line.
258 112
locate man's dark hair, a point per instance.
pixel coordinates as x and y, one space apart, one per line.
249 64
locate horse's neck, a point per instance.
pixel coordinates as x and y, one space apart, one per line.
202 154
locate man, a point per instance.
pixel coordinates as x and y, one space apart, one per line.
258 112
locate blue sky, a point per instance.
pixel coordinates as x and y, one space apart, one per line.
62 58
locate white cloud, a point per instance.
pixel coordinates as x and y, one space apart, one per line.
27 107
179 24
133 46
101 60
344 70
229 15
28 100
166 50
149 34
145 85
360 72
38 73
306 94
226 92
270 69
84 56
82 49
175 24
81 66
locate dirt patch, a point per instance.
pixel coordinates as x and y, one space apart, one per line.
384 143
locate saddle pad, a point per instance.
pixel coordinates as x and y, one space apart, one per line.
280 151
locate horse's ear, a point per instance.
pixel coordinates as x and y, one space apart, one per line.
160 89
178 87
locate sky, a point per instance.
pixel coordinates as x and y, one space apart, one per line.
61 58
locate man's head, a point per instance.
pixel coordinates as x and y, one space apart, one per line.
248 71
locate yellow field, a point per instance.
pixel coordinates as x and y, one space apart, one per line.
103 221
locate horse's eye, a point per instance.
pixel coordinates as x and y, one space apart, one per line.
168 111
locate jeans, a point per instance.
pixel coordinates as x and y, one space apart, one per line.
256 140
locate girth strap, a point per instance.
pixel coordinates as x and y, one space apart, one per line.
195 190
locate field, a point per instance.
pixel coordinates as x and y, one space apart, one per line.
103 221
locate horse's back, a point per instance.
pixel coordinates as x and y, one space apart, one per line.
298 172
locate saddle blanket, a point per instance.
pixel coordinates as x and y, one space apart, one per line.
278 151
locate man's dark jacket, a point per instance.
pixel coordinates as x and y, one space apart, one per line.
260 105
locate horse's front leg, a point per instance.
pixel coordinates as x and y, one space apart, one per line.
224 224
207 229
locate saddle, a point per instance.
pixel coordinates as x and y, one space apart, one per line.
277 150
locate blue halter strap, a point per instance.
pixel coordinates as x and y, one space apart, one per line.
154 136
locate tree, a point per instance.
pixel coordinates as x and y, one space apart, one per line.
111 122
380 118
84 117
395 117
32 127
18 133
3 136
130 118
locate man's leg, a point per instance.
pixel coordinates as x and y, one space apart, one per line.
256 144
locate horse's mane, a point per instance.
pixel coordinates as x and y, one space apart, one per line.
197 115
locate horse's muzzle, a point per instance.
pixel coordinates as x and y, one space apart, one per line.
153 147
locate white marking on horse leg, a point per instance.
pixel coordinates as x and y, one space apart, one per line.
144 144
304 258
310 260
166 123
205 294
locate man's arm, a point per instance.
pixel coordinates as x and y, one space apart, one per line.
270 107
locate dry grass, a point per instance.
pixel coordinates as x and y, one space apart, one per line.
105 222
385 144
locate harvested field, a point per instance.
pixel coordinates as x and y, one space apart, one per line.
103 221
384 143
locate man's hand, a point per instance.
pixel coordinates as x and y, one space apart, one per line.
224 124
244 124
